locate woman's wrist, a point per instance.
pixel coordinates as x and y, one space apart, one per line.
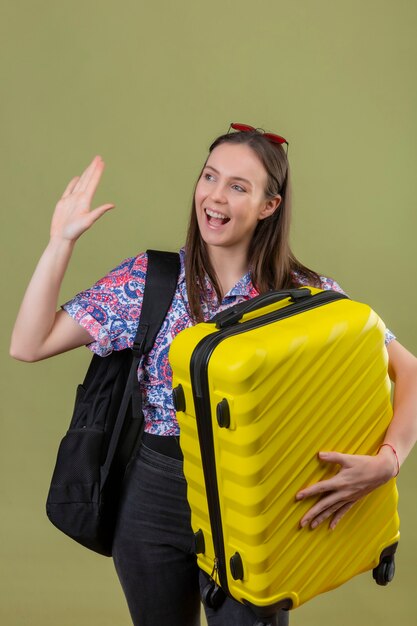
58 241
60 250
388 454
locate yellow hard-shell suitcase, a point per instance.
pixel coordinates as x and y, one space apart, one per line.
259 391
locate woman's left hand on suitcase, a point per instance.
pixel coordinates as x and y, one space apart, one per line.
358 475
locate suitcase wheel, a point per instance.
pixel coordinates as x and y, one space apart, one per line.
213 596
178 398
384 572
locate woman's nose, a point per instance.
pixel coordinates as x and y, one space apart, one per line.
217 193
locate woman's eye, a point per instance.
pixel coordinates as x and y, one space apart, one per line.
208 176
239 188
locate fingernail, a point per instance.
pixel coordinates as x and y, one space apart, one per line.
314 524
299 496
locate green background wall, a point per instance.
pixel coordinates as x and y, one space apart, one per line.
148 85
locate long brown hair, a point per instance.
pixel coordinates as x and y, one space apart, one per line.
271 262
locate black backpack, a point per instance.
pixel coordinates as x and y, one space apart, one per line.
106 424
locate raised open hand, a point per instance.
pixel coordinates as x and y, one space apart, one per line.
73 214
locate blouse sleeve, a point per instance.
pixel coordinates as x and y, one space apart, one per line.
110 309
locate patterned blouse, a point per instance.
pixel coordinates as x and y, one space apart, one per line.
110 312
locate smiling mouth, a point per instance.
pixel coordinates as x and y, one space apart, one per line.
215 218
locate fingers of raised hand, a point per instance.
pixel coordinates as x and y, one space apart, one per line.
88 218
70 187
98 212
73 213
91 182
89 179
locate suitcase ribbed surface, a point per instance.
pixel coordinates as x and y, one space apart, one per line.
314 381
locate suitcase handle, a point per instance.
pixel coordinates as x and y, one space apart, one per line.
235 313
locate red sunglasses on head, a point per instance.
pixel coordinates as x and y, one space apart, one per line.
245 128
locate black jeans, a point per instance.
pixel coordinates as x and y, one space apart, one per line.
154 549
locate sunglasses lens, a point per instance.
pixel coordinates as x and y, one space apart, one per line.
242 127
276 138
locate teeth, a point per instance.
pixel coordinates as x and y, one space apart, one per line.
220 216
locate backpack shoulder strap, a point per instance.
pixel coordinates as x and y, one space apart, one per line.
160 285
161 281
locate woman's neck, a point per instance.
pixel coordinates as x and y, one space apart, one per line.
229 266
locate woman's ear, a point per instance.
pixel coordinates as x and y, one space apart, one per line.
270 207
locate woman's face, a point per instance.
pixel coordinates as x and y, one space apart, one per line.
230 197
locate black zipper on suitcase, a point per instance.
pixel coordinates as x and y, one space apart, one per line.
199 380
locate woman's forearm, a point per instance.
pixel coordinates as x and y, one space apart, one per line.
402 432
37 312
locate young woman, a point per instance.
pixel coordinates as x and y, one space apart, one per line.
237 246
